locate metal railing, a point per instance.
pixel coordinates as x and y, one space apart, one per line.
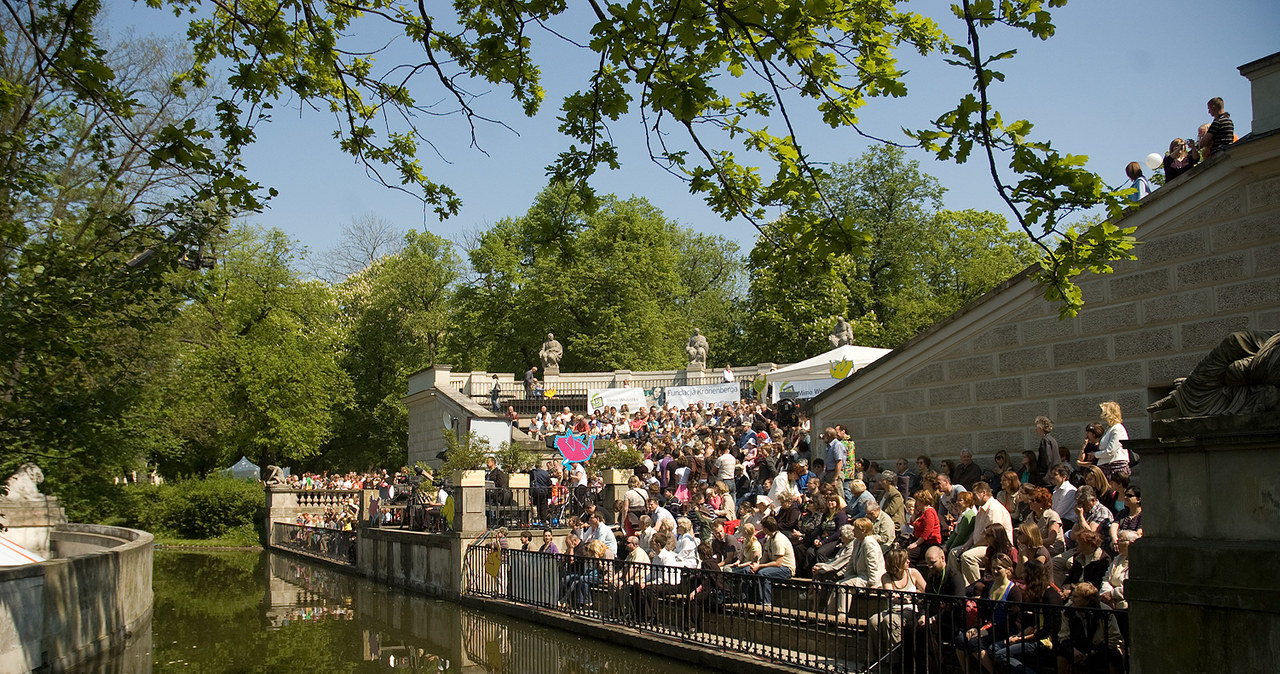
527 508
334 545
814 626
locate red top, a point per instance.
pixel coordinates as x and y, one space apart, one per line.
926 527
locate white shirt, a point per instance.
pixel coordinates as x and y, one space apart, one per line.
1064 501
1109 448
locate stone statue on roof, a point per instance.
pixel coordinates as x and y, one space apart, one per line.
551 353
696 348
841 334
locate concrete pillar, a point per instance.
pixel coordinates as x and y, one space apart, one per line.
615 486
469 498
1264 82
1206 565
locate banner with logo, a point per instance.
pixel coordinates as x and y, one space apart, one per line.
633 398
714 394
803 389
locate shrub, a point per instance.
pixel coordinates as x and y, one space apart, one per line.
196 509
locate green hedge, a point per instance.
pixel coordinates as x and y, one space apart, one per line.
197 509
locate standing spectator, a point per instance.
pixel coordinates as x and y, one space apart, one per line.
968 557
835 457
891 501
1222 131
1112 455
1047 451
530 378
1137 181
494 393
967 473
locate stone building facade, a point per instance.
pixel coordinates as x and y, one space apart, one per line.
1208 264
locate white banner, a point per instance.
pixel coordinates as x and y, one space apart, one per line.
633 398
800 389
716 394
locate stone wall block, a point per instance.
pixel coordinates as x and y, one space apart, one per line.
1007 388
1053 383
1093 288
956 394
1246 232
1144 342
1256 293
1162 371
879 427
969 368
1266 258
1186 245
870 448
929 374
948 445
923 423
1205 335
1141 284
1092 350
1115 375
1212 270
1047 330
865 407
1108 318
1269 320
1227 206
1264 193
989 442
912 399
1077 409
971 417
1024 360
1172 307
1015 414
999 337
908 448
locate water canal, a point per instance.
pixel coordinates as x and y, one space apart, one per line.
271 612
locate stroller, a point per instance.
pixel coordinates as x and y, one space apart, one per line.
559 504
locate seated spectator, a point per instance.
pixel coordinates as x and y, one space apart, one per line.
1112 592
686 544
1181 157
1089 638
963 528
861 497
1089 564
926 532
1046 518
833 570
777 560
865 567
884 629
1036 627
996 621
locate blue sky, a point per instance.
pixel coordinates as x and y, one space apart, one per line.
1119 80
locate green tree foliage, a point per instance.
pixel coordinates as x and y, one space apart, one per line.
397 310
908 263
105 192
255 367
618 284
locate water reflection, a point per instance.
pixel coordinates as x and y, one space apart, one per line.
268 612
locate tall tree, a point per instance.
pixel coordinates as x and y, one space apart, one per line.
363 241
255 371
615 283
397 310
909 264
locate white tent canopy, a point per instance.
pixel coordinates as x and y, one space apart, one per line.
244 469
819 367
12 554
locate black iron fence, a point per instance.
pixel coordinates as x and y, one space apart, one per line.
334 545
815 626
520 508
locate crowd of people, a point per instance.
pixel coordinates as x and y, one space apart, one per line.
1211 138
731 490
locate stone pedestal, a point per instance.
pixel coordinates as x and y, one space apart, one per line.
615 486
30 521
468 497
1204 581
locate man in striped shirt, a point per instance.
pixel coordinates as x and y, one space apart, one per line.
1222 131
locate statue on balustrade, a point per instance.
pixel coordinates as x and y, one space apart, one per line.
696 348
551 353
841 334
22 485
1239 376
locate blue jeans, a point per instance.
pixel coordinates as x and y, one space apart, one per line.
765 587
